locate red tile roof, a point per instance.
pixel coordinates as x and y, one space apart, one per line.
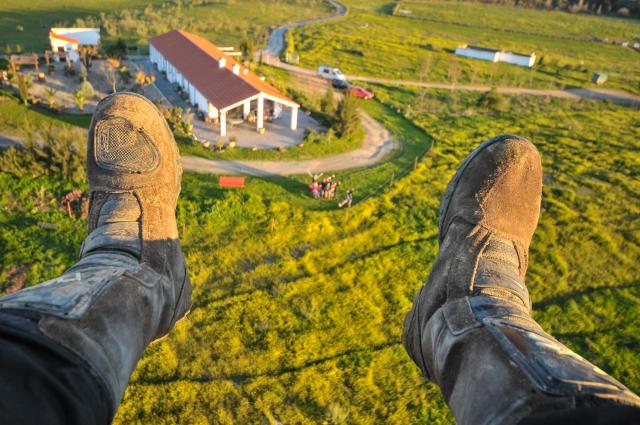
198 61
62 37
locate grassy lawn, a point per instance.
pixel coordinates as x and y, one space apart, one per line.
15 117
298 305
372 42
298 308
222 22
308 150
366 182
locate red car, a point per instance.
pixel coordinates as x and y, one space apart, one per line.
361 93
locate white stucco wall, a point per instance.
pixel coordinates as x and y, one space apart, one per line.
477 54
507 57
201 101
155 56
66 46
516 59
213 112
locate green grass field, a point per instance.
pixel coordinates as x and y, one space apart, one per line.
545 23
308 150
16 117
372 42
222 22
298 305
38 16
298 309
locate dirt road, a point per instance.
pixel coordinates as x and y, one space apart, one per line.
614 96
275 46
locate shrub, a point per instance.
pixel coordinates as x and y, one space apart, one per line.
125 74
143 79
117 50
87 89
348 121
248 48
179 123
79 98
328 103
53 150
325 138
50 93
24 83
493 101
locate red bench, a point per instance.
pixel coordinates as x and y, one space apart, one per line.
228 181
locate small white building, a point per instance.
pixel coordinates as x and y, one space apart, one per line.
71 39
214 81
493 55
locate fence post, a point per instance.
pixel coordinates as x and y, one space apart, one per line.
393 176
415 163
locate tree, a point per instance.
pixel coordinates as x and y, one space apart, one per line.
50 93
248 48
87 90
109 69
348 121
143 79
328 103
49 150
24 83
118 50
291 44
80 99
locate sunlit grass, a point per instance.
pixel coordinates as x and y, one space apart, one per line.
298 305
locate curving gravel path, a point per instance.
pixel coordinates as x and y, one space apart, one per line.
377 145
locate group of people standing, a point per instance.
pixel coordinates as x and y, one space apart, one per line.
327 187
323 189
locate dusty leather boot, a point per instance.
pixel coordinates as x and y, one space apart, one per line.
470 330
130 285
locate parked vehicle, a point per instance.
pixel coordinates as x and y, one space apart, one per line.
330 73
361 93
340 84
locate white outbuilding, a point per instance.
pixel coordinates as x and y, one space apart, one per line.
71 39
494 55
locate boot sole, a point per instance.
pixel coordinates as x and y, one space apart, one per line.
453 183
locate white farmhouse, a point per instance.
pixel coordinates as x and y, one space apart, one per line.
71 39
214 81
493 55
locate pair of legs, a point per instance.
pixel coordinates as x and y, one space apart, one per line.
70 345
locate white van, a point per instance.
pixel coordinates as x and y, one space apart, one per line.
330 73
